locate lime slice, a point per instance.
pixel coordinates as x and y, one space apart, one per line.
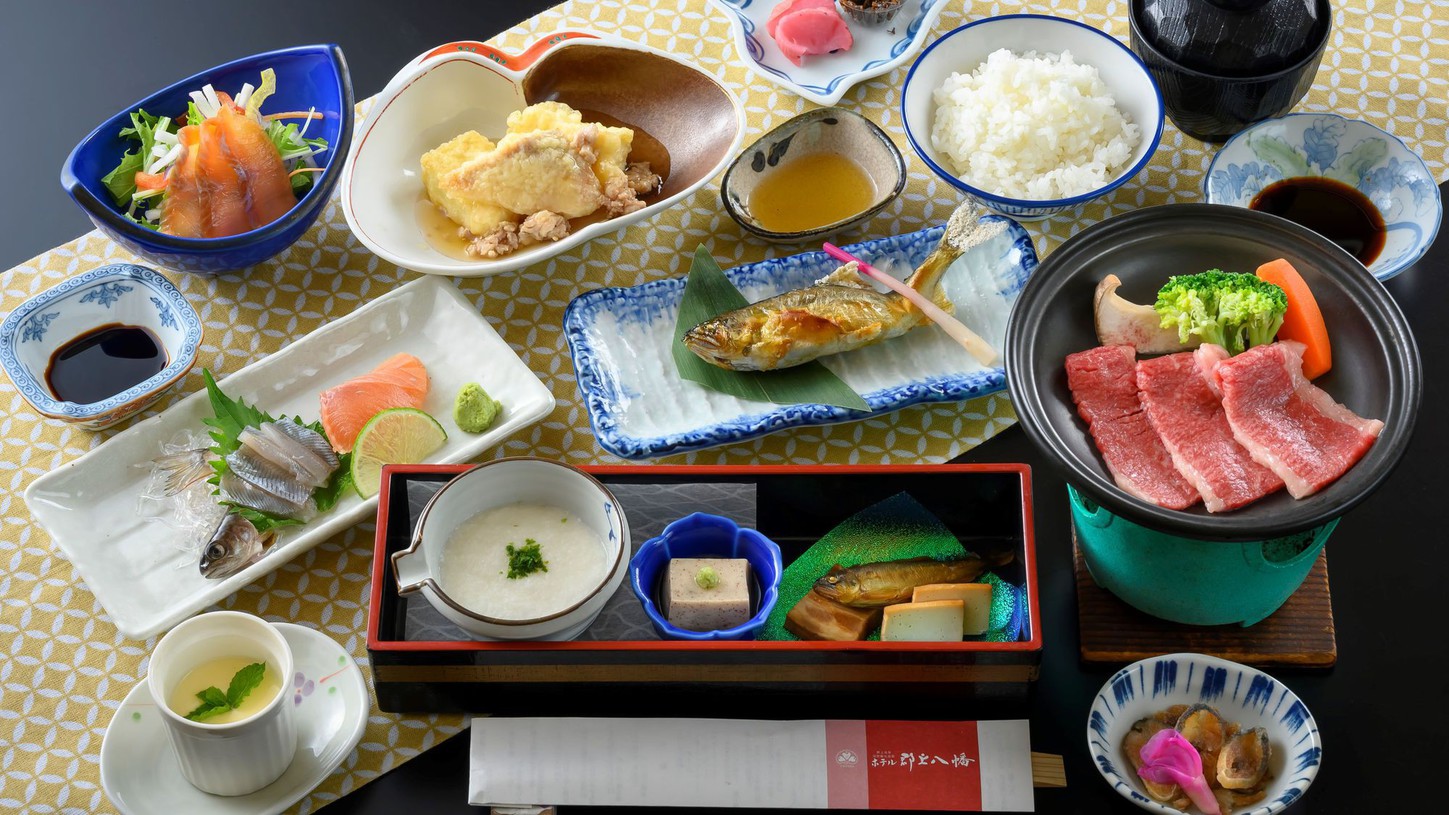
394 436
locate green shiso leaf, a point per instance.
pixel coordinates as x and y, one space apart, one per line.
707 294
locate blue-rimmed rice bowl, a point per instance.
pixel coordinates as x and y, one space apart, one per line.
115 293
963 49
1241 694
1374 162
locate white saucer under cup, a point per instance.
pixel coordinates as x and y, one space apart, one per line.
239 757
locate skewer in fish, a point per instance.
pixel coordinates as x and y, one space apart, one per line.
889 582
840 312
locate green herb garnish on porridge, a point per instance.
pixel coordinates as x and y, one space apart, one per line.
525 560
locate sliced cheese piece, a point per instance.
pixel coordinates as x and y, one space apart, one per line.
688 604
938 621
975 596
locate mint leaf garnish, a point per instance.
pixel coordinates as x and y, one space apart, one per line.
245 681
213 702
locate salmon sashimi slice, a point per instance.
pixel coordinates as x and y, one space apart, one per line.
257 161
400 381
184 211
226 194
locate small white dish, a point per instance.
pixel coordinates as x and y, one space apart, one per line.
468 85
1240 694
139 769
639 407
963 49
501 482
1376 163
115 293
824 79
142 571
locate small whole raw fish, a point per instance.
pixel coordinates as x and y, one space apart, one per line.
840 312
889 582
235 545
179 471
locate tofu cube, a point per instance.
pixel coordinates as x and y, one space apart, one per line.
691 606
938 621
975 596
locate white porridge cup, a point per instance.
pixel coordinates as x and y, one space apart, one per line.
498 483
238 757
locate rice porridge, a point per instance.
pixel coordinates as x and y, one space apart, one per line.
557 560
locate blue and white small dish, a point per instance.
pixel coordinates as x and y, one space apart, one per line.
824 79
115 293
621 340
1327 145
963 49
703 535
1240 694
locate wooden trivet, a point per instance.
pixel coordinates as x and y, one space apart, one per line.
1298 635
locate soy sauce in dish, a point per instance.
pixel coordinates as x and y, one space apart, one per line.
103 362
1331 208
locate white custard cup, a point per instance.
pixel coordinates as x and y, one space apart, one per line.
238 757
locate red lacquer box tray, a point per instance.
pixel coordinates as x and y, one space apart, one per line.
422 663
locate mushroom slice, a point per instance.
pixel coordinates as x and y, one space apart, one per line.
1203 727
1121 322
1243 761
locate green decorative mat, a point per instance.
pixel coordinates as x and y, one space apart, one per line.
894 529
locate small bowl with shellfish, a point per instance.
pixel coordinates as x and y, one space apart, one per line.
1177 732
1355 184
475 161
101 346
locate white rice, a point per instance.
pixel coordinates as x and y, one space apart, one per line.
1037 127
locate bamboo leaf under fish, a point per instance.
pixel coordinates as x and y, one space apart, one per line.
707 293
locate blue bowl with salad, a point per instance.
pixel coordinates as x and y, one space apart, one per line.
222 170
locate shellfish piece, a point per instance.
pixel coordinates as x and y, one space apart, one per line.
1202 726
1142 730
1243 760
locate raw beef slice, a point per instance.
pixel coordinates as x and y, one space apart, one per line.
1103 381
1189 418
1289 425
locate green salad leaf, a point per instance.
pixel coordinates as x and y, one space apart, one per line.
121 182
290 143
231 416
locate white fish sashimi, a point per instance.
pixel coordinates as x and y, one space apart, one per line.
283 449
238 490
267 476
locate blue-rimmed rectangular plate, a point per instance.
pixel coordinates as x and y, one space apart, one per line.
640 408
824 79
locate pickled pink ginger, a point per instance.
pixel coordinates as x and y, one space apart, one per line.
805 28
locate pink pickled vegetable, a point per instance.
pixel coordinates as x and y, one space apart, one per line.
787 6
811 31
1169 758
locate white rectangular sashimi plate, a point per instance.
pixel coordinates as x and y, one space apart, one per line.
139 569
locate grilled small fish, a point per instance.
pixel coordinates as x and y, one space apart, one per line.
235 545
840 312
887 583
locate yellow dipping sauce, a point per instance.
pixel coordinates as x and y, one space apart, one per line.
218 674
809 192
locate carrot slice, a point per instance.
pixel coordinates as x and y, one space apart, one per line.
1303 321
149 181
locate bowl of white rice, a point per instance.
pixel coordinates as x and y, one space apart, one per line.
1030 115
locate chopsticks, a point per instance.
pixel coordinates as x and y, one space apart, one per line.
970 340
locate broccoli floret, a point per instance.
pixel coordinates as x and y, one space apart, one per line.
1236 311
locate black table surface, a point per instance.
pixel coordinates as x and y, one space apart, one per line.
67 65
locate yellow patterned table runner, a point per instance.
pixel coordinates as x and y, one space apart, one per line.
64 669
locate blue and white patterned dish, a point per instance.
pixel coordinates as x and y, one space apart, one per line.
115 293
824 79
1355 152
639 407
1241 694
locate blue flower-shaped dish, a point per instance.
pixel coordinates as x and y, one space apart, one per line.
313 76
702 535
116 293
1239 694
1354 152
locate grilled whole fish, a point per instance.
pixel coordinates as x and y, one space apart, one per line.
840 312
889 582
